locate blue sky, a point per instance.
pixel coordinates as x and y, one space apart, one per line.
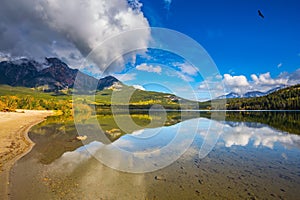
251 53
234 35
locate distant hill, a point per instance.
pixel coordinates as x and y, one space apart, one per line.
229 96
254 94
27 84
283 99
52 75
251 94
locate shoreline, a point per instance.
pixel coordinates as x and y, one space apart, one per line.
15 142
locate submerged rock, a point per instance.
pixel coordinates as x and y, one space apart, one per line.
81 138
160 178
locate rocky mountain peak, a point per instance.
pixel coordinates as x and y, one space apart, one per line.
54 73
55 62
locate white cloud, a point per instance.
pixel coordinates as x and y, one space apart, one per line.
294 77
4 57
184 77
179 74
211 89
139 87
242 134
279 65
254 78
39 28
240 84
125 77
266 80
246 134
184 71
149 68
187 69
240 81
218 76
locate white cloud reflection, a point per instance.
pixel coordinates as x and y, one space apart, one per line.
228 134
249 133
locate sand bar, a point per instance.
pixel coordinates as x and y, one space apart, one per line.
14 141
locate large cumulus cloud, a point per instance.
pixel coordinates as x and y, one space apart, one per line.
67 29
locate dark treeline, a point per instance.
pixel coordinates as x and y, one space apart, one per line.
285 99
281 120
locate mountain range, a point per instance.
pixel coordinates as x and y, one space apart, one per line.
51 78
250 94
51 75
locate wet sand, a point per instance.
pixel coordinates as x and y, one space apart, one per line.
14 141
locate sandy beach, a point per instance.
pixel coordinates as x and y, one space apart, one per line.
14 141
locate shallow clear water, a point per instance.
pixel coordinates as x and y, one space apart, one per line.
253 156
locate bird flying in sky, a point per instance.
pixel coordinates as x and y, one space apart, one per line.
260 14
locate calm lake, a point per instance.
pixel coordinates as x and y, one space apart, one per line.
251 155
